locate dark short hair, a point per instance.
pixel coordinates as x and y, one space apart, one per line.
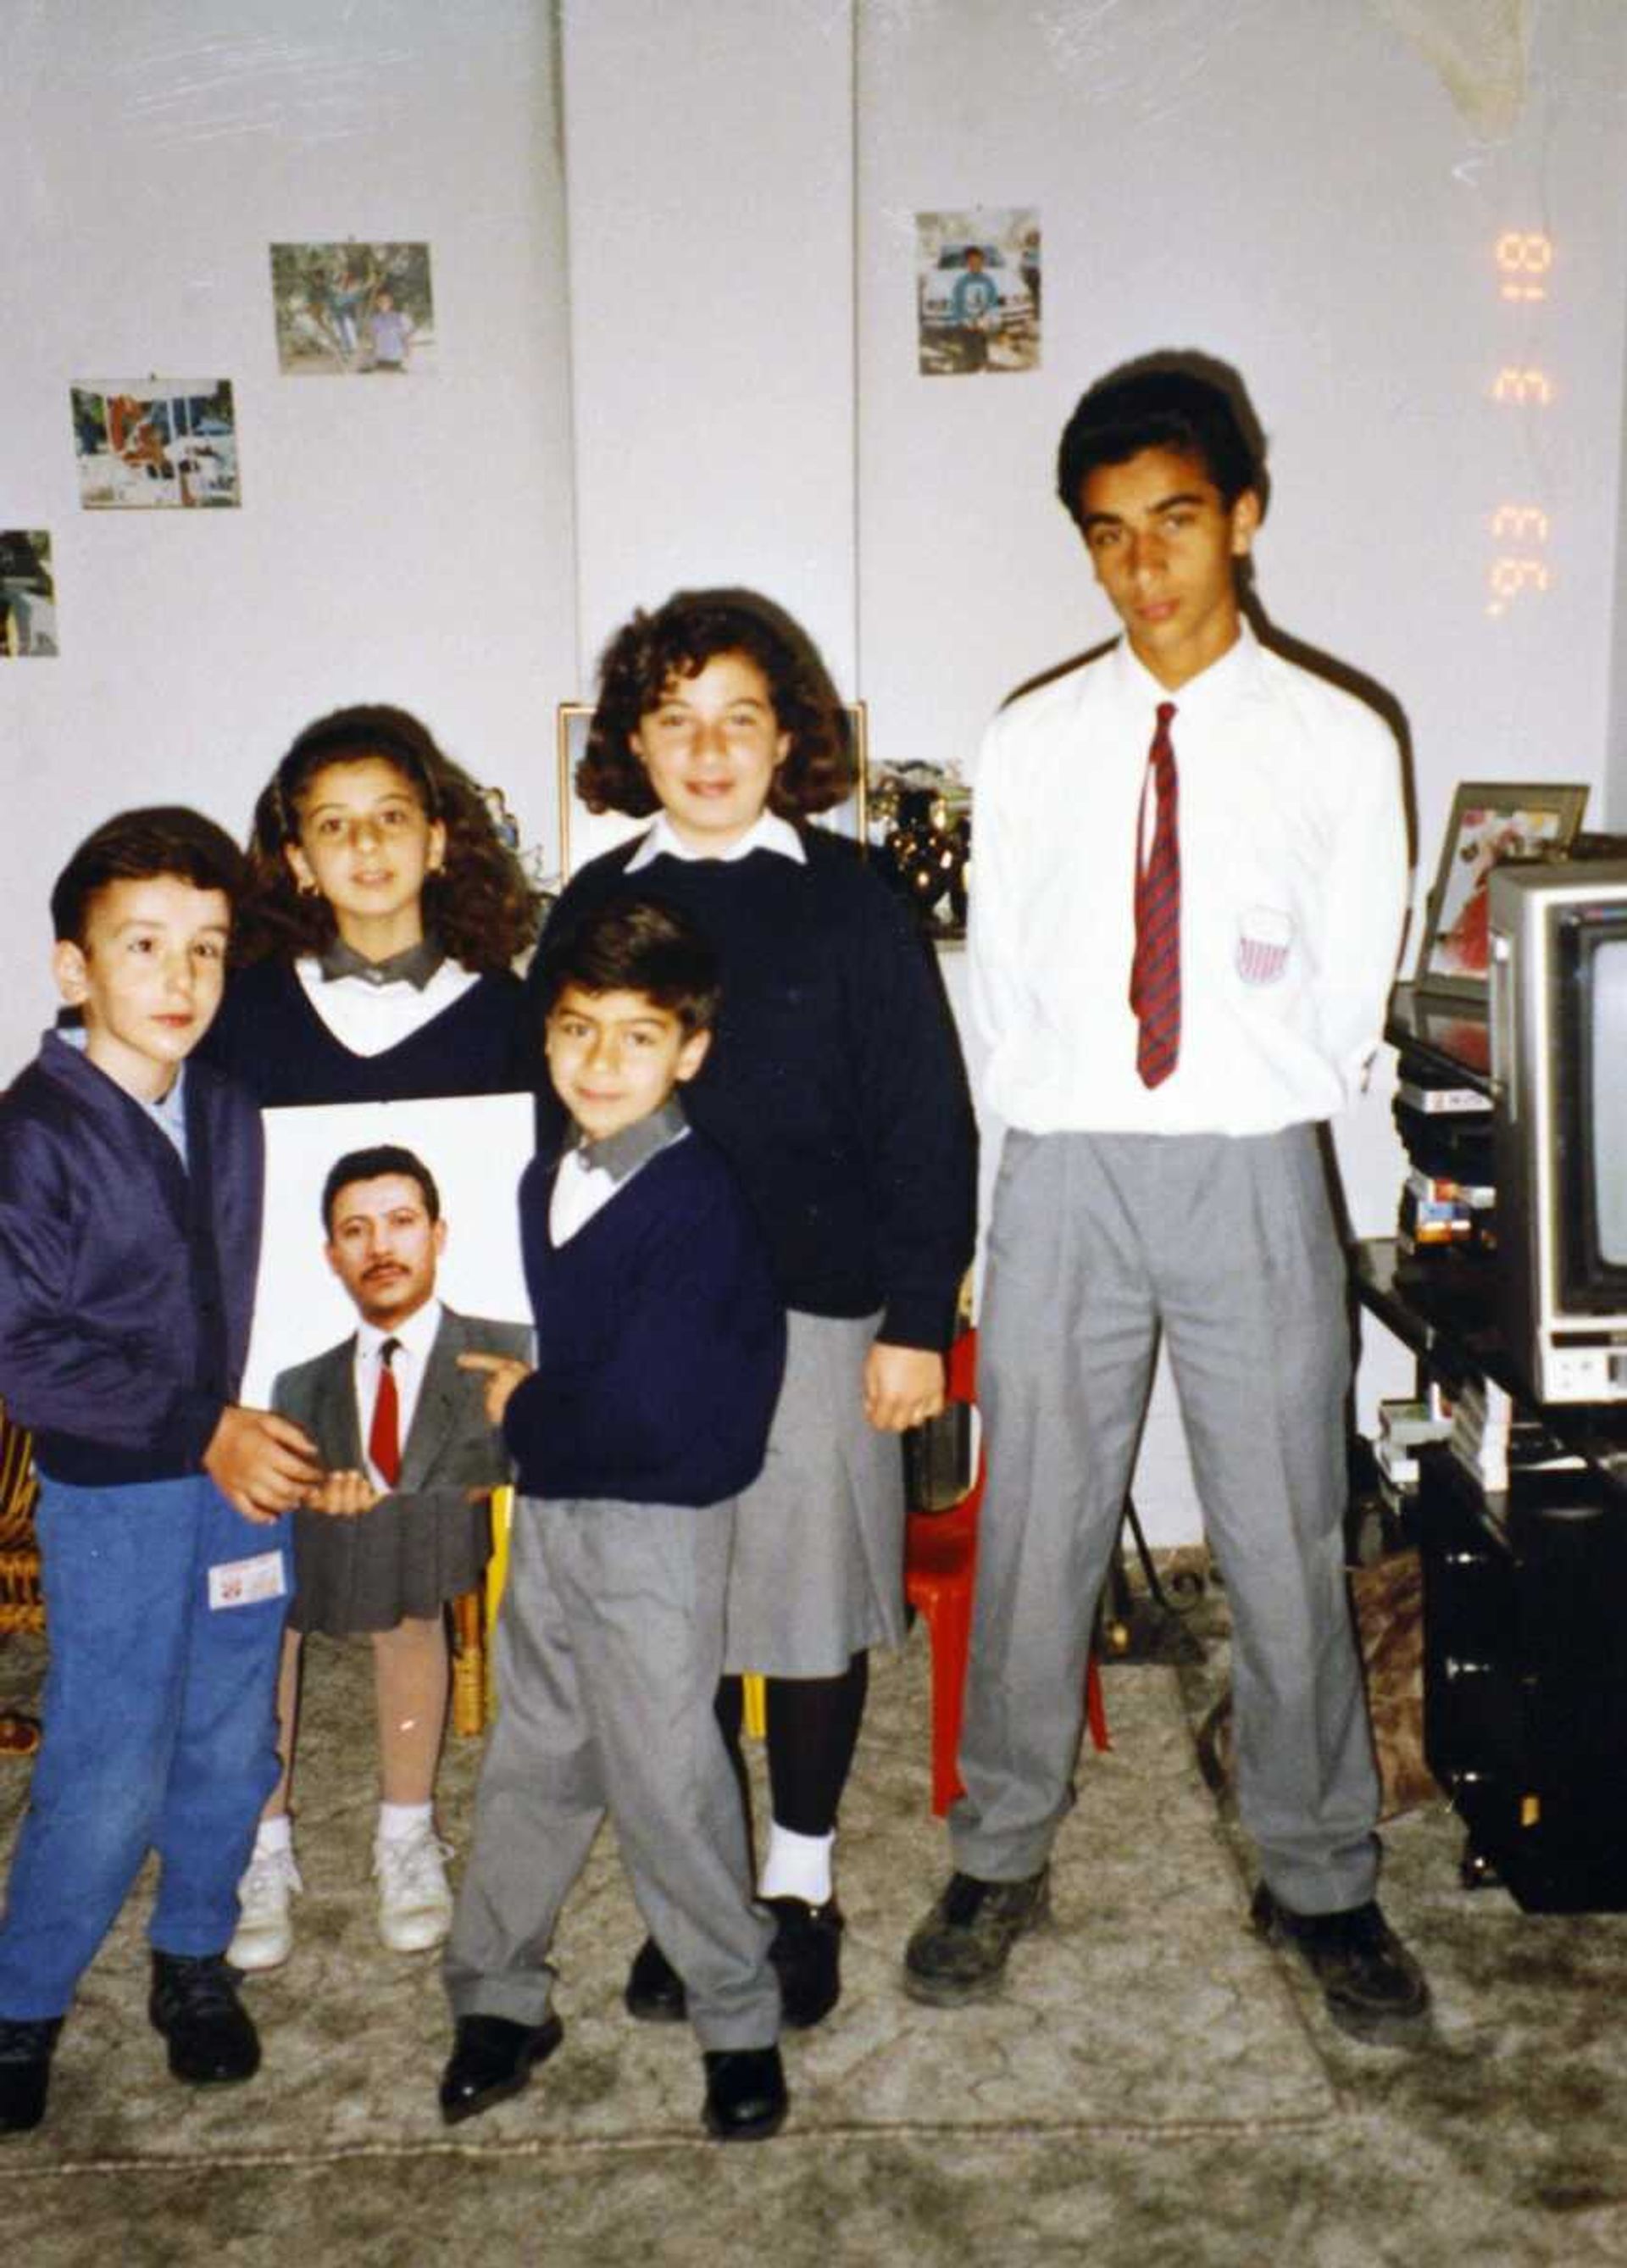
371 1166
692 629
634 944
1157 407
140 846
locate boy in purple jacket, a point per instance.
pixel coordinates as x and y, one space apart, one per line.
129 1232
661 1346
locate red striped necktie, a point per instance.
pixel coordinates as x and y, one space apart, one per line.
384 1435
1155 971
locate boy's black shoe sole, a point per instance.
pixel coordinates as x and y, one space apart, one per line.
211 2035
654 1990
746 2096
26 2045
492 2059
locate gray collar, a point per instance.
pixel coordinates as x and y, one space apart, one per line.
414 965
620 1155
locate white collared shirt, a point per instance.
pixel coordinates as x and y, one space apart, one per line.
414 1339
1293 863
591 1173
369 1018
766 832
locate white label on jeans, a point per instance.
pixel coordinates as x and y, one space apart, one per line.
241 1583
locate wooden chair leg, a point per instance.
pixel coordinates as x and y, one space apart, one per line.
468 1665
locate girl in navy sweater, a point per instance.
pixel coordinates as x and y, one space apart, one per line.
836 1090
373 966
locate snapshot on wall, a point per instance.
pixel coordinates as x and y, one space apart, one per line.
155 443
977 291
27 594
353 310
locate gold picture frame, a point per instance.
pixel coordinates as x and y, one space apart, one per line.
1491 823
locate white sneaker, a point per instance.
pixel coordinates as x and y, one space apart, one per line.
415 1903
265 1930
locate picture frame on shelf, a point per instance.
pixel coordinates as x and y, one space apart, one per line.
584 834
1491 823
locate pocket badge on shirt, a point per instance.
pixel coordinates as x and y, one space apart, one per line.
244 1582
1264 941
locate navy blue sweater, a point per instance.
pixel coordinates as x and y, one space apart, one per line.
661 1339
834 1085
269 1036
127 1280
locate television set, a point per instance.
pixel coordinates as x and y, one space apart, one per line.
1558 1028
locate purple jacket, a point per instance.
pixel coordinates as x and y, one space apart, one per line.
126 1281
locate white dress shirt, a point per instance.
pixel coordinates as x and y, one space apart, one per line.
766 832
367 1018
414 1339
1294 866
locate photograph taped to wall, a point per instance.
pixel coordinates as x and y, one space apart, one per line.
584 834
155 443
476 1148
353 310
977 291
27 593
1492 821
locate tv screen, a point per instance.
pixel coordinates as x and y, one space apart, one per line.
1607 1116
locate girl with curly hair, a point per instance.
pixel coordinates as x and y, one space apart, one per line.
373 966
836 1088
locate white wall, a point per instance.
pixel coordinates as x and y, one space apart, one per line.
411 542
710 153
1313 194
1296 191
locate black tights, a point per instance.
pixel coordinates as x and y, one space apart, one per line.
813 1733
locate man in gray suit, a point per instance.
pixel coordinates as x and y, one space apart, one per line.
400 1526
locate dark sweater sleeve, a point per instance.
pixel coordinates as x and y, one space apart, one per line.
61 1373
920 1135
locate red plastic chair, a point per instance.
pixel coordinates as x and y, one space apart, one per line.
941 1560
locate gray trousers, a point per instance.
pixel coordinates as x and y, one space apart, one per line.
608 1651
1228 1245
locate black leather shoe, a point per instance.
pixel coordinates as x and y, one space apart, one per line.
25 2048
654 1992
958 1954
193 2003
1371 1985
746 2097
492 2059
806 1956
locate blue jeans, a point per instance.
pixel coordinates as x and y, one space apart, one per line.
160 1729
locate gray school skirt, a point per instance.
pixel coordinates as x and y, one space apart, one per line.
405 1557
818 1573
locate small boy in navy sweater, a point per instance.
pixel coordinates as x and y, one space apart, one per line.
660 1345
130 1231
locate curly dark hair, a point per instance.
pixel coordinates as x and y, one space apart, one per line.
479 903
678 640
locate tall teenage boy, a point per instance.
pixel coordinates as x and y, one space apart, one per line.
660 1348
1191 875
129 1229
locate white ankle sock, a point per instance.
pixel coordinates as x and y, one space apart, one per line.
274 1834
397 1822
797 1866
